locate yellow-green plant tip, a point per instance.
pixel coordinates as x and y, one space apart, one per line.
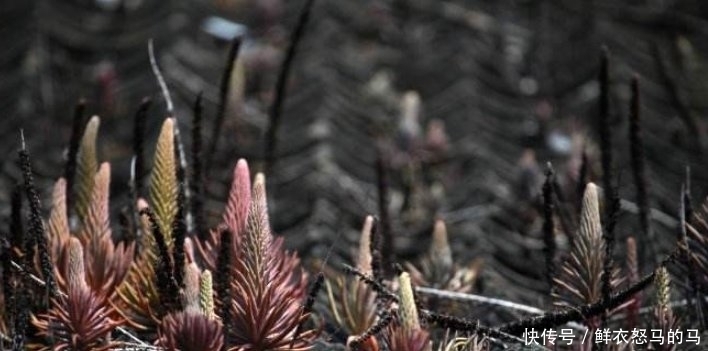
663 288
163 181
407 309
206 295
86 167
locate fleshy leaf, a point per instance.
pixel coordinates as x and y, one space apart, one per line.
234 217
86 167
163 182
239 199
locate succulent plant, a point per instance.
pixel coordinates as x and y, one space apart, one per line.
407 334
351 302
81 318
438 269
580 278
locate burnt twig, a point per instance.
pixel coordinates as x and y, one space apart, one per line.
271 139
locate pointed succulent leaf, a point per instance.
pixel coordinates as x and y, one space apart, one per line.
190 298
364 257
86 167
239 199
206 295
163 181
76 272
580 278
407 310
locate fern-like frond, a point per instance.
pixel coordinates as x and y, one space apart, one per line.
163 181
86 167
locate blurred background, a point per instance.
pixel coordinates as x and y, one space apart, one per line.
465 101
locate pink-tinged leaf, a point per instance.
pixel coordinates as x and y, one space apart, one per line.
58 225
96 223
258 236
58 229
239 199
234 217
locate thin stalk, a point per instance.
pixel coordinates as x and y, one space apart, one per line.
384 231
549 237
139 122
77 130
639 173
604 129
223 98
197 172
271 139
